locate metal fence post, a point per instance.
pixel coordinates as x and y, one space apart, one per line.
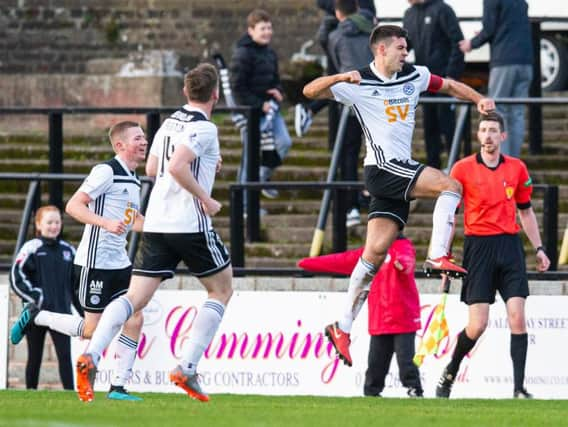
339 217
236 229
253 165
550 224
467 132
29 208
152 126
55 157
535 110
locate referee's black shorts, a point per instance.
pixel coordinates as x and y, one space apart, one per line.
390 186
494 263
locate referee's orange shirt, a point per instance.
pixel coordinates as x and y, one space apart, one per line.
491 196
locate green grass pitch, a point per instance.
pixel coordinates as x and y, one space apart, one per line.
63 409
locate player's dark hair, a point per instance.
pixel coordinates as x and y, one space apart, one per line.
493 116
200 82
383 33
346 7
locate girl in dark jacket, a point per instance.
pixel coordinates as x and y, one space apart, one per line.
42 275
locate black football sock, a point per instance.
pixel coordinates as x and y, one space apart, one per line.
463 346
519 344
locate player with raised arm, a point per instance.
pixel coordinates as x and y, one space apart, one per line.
384 96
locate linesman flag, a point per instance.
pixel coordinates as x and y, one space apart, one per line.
437 329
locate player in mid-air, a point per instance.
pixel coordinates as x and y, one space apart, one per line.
184 158
384 96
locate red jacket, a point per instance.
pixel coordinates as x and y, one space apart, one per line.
394 306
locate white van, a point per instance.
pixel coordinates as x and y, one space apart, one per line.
553 44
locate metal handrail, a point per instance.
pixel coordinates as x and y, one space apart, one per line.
549 224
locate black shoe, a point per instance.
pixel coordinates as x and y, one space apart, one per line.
522 394
444 387
415 392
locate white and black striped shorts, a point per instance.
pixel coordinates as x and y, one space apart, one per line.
390 186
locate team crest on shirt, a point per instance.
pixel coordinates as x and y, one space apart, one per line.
408 89
509 191
66 255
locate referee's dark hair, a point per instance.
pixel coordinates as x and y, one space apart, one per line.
493 116
384 33
200 82
346 7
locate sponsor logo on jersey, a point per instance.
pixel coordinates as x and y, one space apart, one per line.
376 93
397 101
95 299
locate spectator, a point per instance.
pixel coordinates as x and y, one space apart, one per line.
304 112
348 48
507 28
434 33
255 81
394 318
43 274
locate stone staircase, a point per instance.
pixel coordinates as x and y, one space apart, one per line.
288 227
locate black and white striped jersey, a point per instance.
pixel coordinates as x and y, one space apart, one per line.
386 109
171 208
115 194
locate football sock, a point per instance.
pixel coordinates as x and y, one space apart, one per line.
124 357
114 316
463 346
443 223
202 332
67 324
359 282
519 345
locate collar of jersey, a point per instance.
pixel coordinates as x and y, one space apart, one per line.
124 166
380 76
480 161
190 108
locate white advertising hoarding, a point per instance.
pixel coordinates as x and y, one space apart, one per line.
272 343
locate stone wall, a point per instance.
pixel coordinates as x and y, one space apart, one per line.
65 36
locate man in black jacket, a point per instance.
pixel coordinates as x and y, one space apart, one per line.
255 81
434 33
305 112
507 29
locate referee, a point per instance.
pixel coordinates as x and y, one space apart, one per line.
495 186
